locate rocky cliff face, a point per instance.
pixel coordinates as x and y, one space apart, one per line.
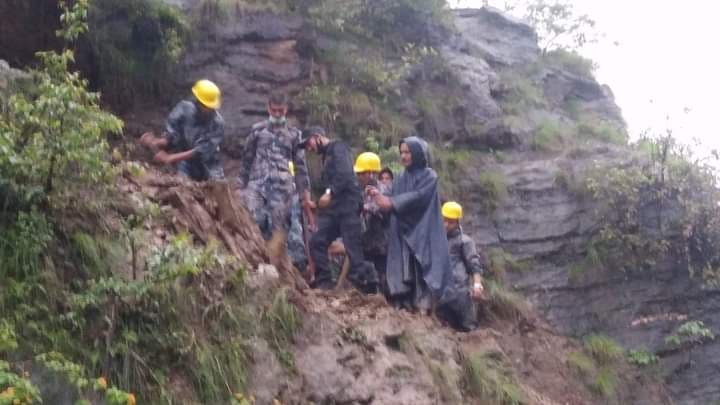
539 219
515 198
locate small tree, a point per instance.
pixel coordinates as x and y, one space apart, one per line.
556 22
559 26
55 135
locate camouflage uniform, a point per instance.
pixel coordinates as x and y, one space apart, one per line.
464 261
296 243
265 176
185 131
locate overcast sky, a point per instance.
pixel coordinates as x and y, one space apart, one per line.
667 60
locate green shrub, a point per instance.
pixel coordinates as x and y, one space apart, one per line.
550 136
450 166
16 388
582 363
570 61
571 106
8 339
592 127
605 382
493 189
281 322
603 349
88 251
397 21
690 332
595 258
621 242
322 104
445 381
597 364
503 303
500 262
220 369
487 378
522 93
54 137
211 11
23 245
642 357
390 158
393 127
181 259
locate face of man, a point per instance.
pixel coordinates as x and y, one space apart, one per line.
277 111
386 179
365 178
450 224
312 143
405 155
204 113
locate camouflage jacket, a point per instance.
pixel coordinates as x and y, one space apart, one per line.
464 257
266 154
184 131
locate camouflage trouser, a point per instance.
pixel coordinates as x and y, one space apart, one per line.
270 213
296 244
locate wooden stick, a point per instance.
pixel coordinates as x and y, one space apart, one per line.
343 273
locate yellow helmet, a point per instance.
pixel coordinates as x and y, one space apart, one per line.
291 166
207 93
452 210
367 162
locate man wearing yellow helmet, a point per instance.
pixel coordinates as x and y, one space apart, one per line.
459 308
193 134
374 222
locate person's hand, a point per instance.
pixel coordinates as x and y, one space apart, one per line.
372 191
312 226
477 290
383 202
325 200
308 207
162 157
148 139
308 204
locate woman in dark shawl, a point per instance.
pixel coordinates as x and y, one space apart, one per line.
418 261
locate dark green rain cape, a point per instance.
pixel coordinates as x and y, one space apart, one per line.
416 226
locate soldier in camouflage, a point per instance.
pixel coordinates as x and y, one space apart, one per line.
193 134
265 179
295 243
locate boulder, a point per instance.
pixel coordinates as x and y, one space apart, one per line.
496 37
